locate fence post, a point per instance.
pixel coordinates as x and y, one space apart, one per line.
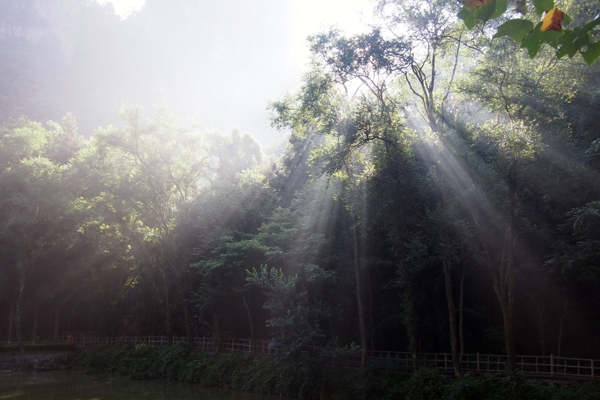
551 365
445 361
477 362
592 365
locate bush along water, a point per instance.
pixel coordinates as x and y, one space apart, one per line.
304 376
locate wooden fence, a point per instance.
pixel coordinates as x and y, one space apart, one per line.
206 344
549 367
533 366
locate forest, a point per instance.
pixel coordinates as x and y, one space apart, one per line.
439 192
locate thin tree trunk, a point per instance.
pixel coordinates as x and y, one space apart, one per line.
359 294
35 323
371 324
510 267
446 266
409 314
217 333
188 325
509 339
248 305
73 310
503 277
18 319
11 321
57 323
463 273
451 318
187 314
561 325
540 308
167 307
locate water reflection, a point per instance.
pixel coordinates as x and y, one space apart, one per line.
71 385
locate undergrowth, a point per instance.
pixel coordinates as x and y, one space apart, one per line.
307 377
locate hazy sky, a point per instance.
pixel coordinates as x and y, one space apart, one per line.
268 41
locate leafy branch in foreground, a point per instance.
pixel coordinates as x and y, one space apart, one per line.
531 35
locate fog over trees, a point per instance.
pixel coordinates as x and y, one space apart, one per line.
438 191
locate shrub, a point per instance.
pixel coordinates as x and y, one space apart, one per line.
308 377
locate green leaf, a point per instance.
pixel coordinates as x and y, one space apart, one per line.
533 41
501 6
592 53
568 44
467 14
552 37
486 11
543 5
516 29
589 26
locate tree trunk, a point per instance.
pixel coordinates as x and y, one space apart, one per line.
183 280
35 322
540 309
248 305
188 324
510 267
18 321
359 294
451 318
57 323
561 325
371 324
73 310
409 317
11 321
463 273
503 277
509 340
167 307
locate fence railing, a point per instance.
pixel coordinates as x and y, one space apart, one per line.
207 344
533 366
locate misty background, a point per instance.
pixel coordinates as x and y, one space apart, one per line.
218 62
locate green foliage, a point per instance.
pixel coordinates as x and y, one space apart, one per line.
564 41
242 372
581 253
472 13
362 55
310 378
296 319
516 29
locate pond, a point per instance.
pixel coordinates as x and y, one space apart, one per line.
72 385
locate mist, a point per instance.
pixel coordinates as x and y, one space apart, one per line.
217 62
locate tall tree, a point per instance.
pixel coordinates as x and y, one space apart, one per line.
38 205
156 169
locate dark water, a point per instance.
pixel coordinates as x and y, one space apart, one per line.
72 385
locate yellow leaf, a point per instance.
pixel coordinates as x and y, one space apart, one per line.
552 20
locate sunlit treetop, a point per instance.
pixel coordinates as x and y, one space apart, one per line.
547 25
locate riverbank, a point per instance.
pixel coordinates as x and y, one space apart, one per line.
13 348
37 356
302 376
69 385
